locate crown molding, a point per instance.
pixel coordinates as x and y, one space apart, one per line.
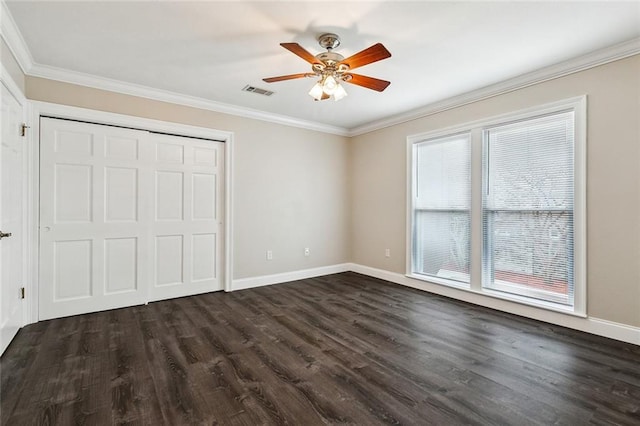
103 83
581 63
13 38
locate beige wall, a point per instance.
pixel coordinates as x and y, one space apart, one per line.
11 65
290 188
613 181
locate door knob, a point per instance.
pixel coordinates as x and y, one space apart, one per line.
4 234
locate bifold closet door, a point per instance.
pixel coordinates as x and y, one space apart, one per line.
93 198
187 216
126 217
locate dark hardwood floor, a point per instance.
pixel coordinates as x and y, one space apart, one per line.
343 348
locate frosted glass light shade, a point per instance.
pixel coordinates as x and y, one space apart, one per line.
339 93
330 85
316 92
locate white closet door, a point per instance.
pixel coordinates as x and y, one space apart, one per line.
94 190
187 216
126 217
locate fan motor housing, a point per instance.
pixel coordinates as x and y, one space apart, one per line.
329 58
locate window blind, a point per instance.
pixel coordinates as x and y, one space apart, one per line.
441 208
528 188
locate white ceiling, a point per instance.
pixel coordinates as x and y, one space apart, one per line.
211 50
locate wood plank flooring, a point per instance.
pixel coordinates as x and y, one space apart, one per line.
343 348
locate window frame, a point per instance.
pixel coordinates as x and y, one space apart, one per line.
477 129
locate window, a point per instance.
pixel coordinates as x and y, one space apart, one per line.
441 208
528 208
516 184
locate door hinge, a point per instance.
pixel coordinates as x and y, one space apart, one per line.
21 292
23 129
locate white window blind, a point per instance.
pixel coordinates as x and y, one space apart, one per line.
441 208
528 187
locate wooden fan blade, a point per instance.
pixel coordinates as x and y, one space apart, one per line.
368 82
324 97
287 77
375 53
296 49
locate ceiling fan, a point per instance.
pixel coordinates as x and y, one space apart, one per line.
332 68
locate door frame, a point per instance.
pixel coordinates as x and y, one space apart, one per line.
38 109
7 81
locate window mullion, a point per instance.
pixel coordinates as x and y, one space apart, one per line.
476 210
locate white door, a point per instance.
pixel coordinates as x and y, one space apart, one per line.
92 229
126 216
186 220
11 219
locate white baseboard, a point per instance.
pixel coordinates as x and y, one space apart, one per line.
600 327
614 330
245 283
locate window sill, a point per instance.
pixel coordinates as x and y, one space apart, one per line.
441 281
548 306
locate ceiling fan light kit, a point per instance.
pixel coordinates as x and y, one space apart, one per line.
331 68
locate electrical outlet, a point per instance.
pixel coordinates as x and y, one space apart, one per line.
269 255
307 252
387 252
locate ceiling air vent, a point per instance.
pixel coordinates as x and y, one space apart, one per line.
257 90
